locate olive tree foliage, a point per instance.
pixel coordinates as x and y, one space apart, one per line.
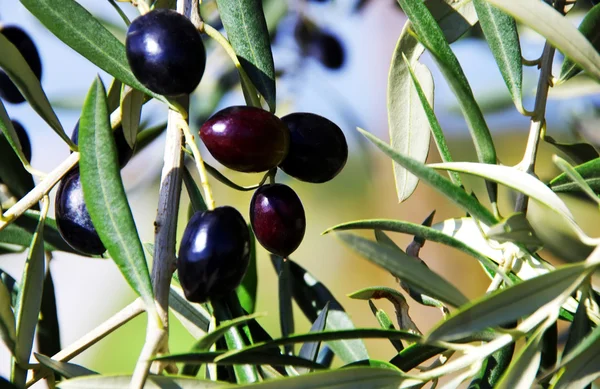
474 340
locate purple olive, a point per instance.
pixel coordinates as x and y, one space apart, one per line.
22 41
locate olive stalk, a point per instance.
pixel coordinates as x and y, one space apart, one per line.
189 140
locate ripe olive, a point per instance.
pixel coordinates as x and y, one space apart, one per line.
214 254
246 139
277 218
318 148
165 52
22 41
72 218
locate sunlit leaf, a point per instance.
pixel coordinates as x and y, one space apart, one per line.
65 369
255 358
152 382
575 177
105 196
407 268
590 171
211 338
7 318
524 367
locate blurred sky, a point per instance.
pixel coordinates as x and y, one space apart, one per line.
354 96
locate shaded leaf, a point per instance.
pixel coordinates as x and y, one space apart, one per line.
246 292
590 171
254 358
413 355
553 26
17 68
192 316
247 31
65 369
312 296
386 323
105 196
515 228
286 312
12 173
8 130
590 28
152 382
205 343
500 32
524 367
310 350
78 29
432 37
436 181
48 330
578 152
21 231
7 318
196 199
11 286
506 305
575 177
131 110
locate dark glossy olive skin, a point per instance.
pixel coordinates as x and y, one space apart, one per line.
23 139
165 52
328 49
318 148
72 218
124 152
277 218
214 254
8 91
246 139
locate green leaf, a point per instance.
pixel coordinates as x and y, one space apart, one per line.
575 177
407 268
312 296
29 301
386 323
205 343
17 68
21 231
589 171
78 29
255 358
350 378
436 181
413 355
310 350
11 285
286 312
578 152
524 367
247 32
506 305
246 292
580 327
420 231
515 228
198 204
105 196
436 129
67 370
131 111
512 178
557 29
7 318
500 31
12 173
48 330
152 382
431 36
590 28
192 316
8 130
408 124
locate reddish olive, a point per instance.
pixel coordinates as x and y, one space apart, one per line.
72 217
214 254
165 52
277 218
22 41
318 148
246 139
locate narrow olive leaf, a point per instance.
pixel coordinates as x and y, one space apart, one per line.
581 366
500 32
327 336
148 135
254 358
105 196
11 285
386 323
312 296
286 312
524 367
7 318
247 290
196 198
408 124
113 97
12 172
420 231
578 152
431 36
152 382
581 325
65 369
132 101
507 305
515 228
310 350
224 180
414 355
21 231
349 378
17 68
436 181
514 179
78 29
247 31
206 342
589 28
575 177
557 29
407 268
436 129
589 171
48 330
29 301
8 130
193 317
